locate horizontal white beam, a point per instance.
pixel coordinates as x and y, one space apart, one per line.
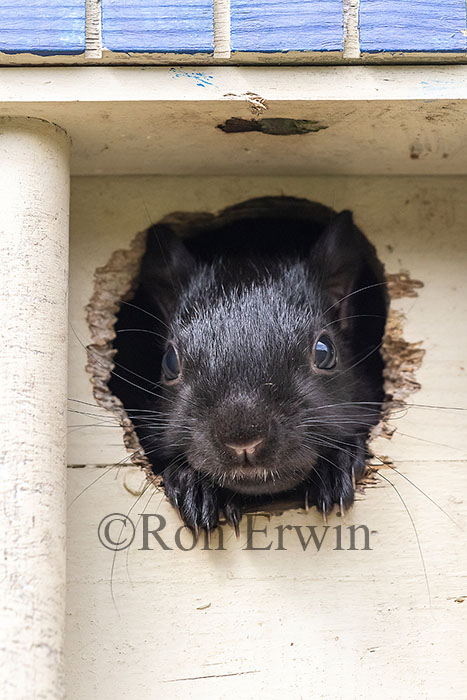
158 120
177 83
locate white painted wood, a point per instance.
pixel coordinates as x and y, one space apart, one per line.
351 32
34 182
93 30
218 624
281 623
301 84
221 28
381 121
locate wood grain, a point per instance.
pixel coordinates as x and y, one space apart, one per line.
418 25
278 624
286 25
42 26
282 623
390 120
158 26
34 181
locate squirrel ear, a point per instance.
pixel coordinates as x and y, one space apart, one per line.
165 268
340 255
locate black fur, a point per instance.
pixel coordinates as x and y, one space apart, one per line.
244 305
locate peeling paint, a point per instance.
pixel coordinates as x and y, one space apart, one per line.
256 103
113 283
401 358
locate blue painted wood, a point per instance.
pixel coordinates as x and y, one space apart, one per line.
286 25
413 25
174 26
43 26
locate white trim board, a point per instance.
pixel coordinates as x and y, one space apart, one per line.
162 120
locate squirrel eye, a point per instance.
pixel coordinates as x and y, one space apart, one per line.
325 353
170 364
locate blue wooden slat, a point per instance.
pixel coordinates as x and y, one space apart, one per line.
286 25
413 25
175 26
43 26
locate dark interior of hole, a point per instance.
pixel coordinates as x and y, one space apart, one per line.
270 226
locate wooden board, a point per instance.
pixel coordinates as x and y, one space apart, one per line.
286 622
286 25
418 25
386 120
42 26
274 623
158 25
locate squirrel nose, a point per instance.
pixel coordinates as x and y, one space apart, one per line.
245 449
